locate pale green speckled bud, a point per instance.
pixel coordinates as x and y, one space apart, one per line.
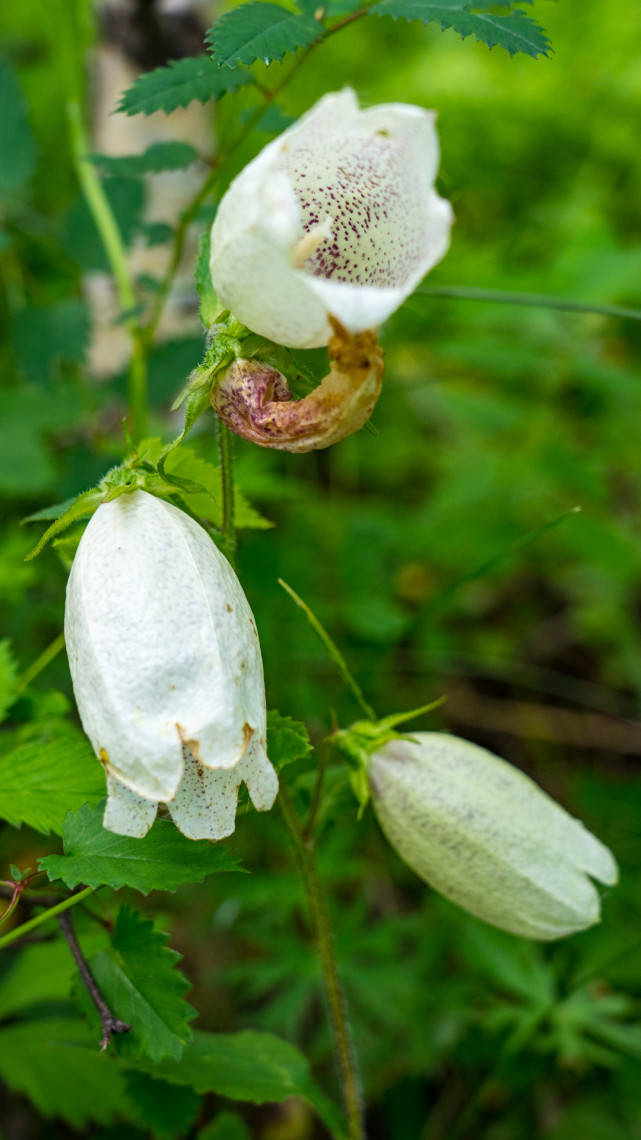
483 834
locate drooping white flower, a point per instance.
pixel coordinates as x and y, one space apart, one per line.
336 217
166 669
483 834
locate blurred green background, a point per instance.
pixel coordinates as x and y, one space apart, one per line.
429 552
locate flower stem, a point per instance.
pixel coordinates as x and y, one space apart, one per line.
344 1048
109 1022
38 665
533 300
44 916
333 650
107 226
227 479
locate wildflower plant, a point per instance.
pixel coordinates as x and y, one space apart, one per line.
316 242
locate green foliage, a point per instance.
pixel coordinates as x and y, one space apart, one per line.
260 31
45 972
226 1126
516 32
57 1064
178 84
427 550
249 1066
138 978
8 675
45 339
170 155
126 197
162 861
287 740
50 774
166 1111
17 145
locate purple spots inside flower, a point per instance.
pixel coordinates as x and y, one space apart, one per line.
358 191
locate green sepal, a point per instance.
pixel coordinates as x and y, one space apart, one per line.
358 742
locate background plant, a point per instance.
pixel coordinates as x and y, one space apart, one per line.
443 554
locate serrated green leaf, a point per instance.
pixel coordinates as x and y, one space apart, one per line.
169 155
178 84
8 675
260 31
56 1062
226 1126
209 306
258 1067
53 773
162 861
138 978
515 31
165 1111
287 740
16 141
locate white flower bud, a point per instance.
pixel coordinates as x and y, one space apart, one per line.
336 217
166 669
483 834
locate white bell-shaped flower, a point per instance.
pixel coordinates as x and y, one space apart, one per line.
483 834
166 669
336 217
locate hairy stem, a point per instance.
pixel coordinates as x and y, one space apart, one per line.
110 1023
227 479
106 224
44 916
323 936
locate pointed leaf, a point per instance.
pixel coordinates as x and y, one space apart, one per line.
53 773
260 31
56 1062
178 84
162 861
82 507
287 740
169 155
258 1067
515 31
138 978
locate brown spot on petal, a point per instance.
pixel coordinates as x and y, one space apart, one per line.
192 746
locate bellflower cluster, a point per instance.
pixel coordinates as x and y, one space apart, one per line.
316 242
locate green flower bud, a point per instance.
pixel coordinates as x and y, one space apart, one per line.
483 834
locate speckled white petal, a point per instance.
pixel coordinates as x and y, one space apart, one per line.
483 834
338 216
204 806
162 646
259 776
125 812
